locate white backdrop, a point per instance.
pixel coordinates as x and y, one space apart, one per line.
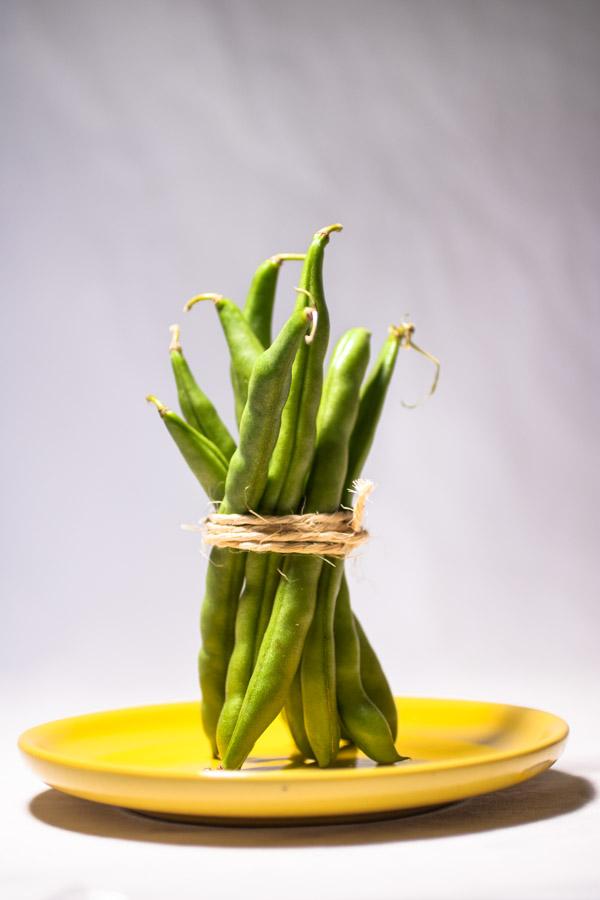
155 150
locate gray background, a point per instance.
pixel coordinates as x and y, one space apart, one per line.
155 150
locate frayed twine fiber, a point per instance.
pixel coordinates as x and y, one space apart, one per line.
323 534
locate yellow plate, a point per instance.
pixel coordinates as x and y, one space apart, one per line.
156 759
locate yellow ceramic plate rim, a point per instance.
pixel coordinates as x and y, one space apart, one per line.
28 744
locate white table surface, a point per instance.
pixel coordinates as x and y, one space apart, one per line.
538 840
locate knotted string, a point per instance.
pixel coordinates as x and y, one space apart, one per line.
322 534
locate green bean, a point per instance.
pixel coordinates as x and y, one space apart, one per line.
259 426
196 408
224 576
224 580
246 479
294 716
244 346
293 705
258 309
293 454
337 415
279 656
258 312
281 647
271 576
362 720
318 696
204 459
372 398
292 458
270 375
239 668
374 680
311 360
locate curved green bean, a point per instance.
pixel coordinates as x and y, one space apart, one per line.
294 716
337 415
239 668
244 346
372 398
204 459
308 359
281 647
292 458
268 390
363 721
258 312
374 679
293 455
336 420
224 579
197 409
258 309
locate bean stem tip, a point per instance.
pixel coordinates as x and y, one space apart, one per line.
329 229
174 346
278 258
162 409
199 297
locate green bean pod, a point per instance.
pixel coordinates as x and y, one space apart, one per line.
244 346
293 705
372 398
239 668
312 357
258 309
294 716
318 692
197 409
293 454
273 563
363 721
224 576
337 415
374 680
279 656
268 390
258 312
246 479
224 579
292 458
204 459
281 647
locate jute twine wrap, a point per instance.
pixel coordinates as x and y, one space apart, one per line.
322 534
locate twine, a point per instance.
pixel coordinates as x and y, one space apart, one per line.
323 534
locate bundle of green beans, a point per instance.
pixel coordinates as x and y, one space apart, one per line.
278 632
